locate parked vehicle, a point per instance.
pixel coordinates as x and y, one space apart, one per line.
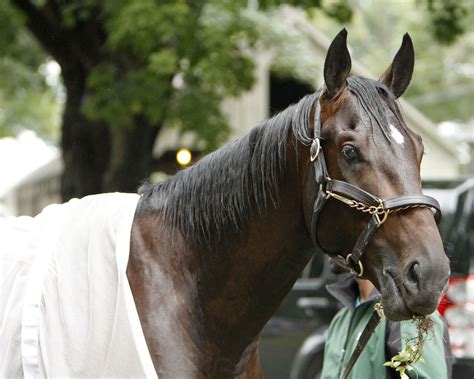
292 344
457 305
300 324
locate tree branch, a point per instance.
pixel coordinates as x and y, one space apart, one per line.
78 46
46 30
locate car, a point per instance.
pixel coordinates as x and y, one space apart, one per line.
292 342
457 306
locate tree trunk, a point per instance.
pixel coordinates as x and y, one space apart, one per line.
85 144
97 157
131 156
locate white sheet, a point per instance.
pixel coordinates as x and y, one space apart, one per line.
66 309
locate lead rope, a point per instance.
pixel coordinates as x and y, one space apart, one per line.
364 338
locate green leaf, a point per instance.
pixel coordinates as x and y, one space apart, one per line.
163 62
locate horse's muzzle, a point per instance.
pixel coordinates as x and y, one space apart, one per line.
424 282
416 291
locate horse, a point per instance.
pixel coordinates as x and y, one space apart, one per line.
238 227
215 248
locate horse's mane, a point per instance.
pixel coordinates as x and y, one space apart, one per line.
221 191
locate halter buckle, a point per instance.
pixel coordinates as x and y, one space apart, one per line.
381 217
361 267
315 149
379 308
345 263
381 214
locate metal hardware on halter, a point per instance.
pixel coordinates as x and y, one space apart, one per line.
377 215
379 308
375 210
361 267
315 149
371 209
345 200
346 263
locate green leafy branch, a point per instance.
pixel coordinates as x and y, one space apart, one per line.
412 352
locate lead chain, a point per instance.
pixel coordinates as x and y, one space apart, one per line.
371 209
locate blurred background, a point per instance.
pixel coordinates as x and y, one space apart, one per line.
99 96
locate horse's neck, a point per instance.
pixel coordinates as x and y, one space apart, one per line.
211 303
262 270
253 275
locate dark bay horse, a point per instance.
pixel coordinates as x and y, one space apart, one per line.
216 248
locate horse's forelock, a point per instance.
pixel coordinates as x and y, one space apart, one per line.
373 98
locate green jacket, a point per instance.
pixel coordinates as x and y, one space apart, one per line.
388 340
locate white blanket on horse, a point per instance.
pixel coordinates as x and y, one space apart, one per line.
66 308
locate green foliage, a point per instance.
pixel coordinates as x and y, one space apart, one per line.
292 52
171 61
443 82
339 10
74 12
117 96
411 354
405 359
447 19
174 61
15 41
144 26
28 109
163 63
26 101
202 44
194 106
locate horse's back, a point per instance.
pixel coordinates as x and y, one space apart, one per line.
64 306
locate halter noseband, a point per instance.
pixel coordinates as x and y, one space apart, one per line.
358 199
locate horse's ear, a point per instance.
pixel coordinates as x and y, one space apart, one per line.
398 75
337 65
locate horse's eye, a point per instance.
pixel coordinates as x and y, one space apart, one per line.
349 152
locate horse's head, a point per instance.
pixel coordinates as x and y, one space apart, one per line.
392 237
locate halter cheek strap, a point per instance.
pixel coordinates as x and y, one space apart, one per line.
358 199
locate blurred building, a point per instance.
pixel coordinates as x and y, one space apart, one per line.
38 189
270 93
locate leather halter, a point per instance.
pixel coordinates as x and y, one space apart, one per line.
358 199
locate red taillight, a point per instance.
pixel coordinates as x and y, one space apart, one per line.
457 306
444 304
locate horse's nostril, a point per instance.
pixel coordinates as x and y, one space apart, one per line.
415 268
413 275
